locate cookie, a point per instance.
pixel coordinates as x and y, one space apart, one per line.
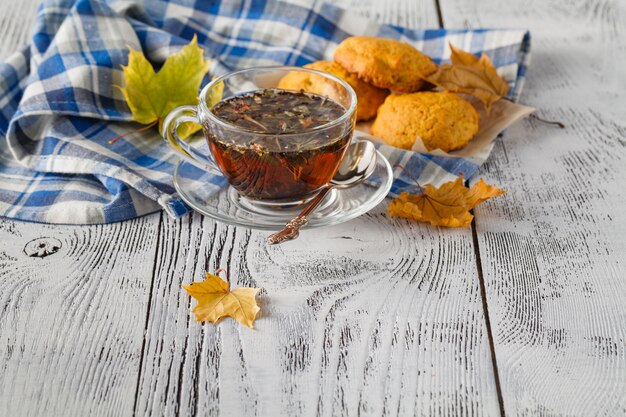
385 63
369 98
443 120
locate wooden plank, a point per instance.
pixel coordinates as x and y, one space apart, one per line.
373 317
406 13
552 249
72 322
73 304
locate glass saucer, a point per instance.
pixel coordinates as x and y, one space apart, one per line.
200 191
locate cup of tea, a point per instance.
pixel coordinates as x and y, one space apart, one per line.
275 147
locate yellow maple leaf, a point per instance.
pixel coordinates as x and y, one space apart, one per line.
448 205
469 74
151 96
216 301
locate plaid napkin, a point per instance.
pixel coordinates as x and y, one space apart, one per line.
59 106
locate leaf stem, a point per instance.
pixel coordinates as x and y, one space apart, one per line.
115 139
409 175
218 271
251 120
549 122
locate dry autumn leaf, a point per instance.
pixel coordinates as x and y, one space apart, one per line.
151 95
448 205
216 301
469 74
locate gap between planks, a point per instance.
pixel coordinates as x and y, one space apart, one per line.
148 308
479 269
439 14
483 296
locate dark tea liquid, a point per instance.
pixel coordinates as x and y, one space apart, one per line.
281 164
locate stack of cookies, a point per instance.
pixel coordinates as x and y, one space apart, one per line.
388 77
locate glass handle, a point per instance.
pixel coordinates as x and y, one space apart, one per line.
178 116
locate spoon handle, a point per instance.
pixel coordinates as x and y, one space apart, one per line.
292 229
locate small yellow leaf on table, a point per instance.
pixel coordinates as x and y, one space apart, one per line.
448 205
216 301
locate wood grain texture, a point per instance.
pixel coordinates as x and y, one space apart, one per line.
553 248
406 13
16 18
72 319
373 317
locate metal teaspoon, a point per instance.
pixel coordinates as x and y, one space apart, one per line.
358 164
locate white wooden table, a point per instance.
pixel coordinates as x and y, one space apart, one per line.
524 314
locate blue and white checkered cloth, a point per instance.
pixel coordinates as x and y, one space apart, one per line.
59 105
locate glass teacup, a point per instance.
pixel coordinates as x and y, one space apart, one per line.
274 146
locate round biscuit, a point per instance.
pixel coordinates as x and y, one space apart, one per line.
385 63
442 120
